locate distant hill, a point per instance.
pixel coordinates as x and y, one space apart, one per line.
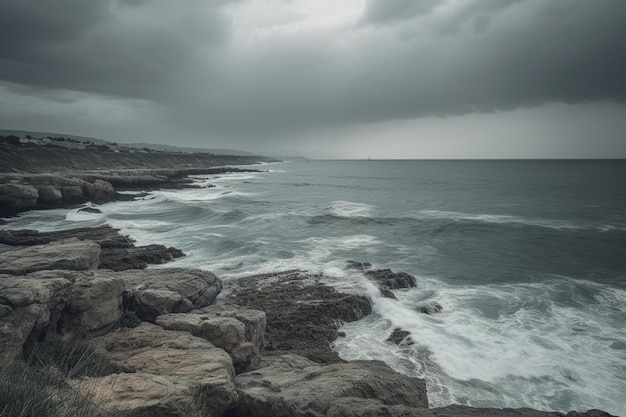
169 148
154 147
22 133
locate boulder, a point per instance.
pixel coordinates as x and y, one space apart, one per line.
389 280
225 332
95 304
303 315
88 209
290 386
254 320
431 307
100 191
399 336
71 254
16 197
177 374
151 293
49 196
30 304
386 279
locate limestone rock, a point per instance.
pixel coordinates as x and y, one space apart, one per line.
151 293
254 320
291 385
71 254
177 374
95 303
49 196
227 333
16 197
33 303
105 236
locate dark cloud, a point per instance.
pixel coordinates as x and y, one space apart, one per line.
206 68
379 12
531 53
127 47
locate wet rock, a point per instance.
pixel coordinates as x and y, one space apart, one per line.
90 210
361 266
432 307
388 293
71 254
151 293
290 385
399 336
386 279
303 315
177 374
389 280
122 259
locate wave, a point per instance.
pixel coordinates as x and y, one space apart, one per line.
549 345
495 218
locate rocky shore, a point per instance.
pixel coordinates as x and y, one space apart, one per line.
187 344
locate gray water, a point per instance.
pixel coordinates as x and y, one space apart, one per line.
527 258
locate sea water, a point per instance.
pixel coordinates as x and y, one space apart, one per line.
527 259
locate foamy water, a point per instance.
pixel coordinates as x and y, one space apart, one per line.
531 276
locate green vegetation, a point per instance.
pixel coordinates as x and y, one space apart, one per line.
73 358
38 386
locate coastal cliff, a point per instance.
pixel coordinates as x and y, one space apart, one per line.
186 344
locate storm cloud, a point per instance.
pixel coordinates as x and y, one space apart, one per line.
254 71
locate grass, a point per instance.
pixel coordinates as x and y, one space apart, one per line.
37 385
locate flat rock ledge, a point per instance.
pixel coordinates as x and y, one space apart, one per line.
260 351
117 252
26 191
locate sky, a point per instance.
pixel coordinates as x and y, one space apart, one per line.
323 78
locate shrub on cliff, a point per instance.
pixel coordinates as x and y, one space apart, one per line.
38 386
74 358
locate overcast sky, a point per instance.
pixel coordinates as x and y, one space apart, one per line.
323 78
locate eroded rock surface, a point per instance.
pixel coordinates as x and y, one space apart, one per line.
177 374
29 305
290 385
386 279
303 315
73 254
224 332
117 253
154 292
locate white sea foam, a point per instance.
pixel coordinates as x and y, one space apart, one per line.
342 208
534 351
494 218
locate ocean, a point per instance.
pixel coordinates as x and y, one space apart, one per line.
527 259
